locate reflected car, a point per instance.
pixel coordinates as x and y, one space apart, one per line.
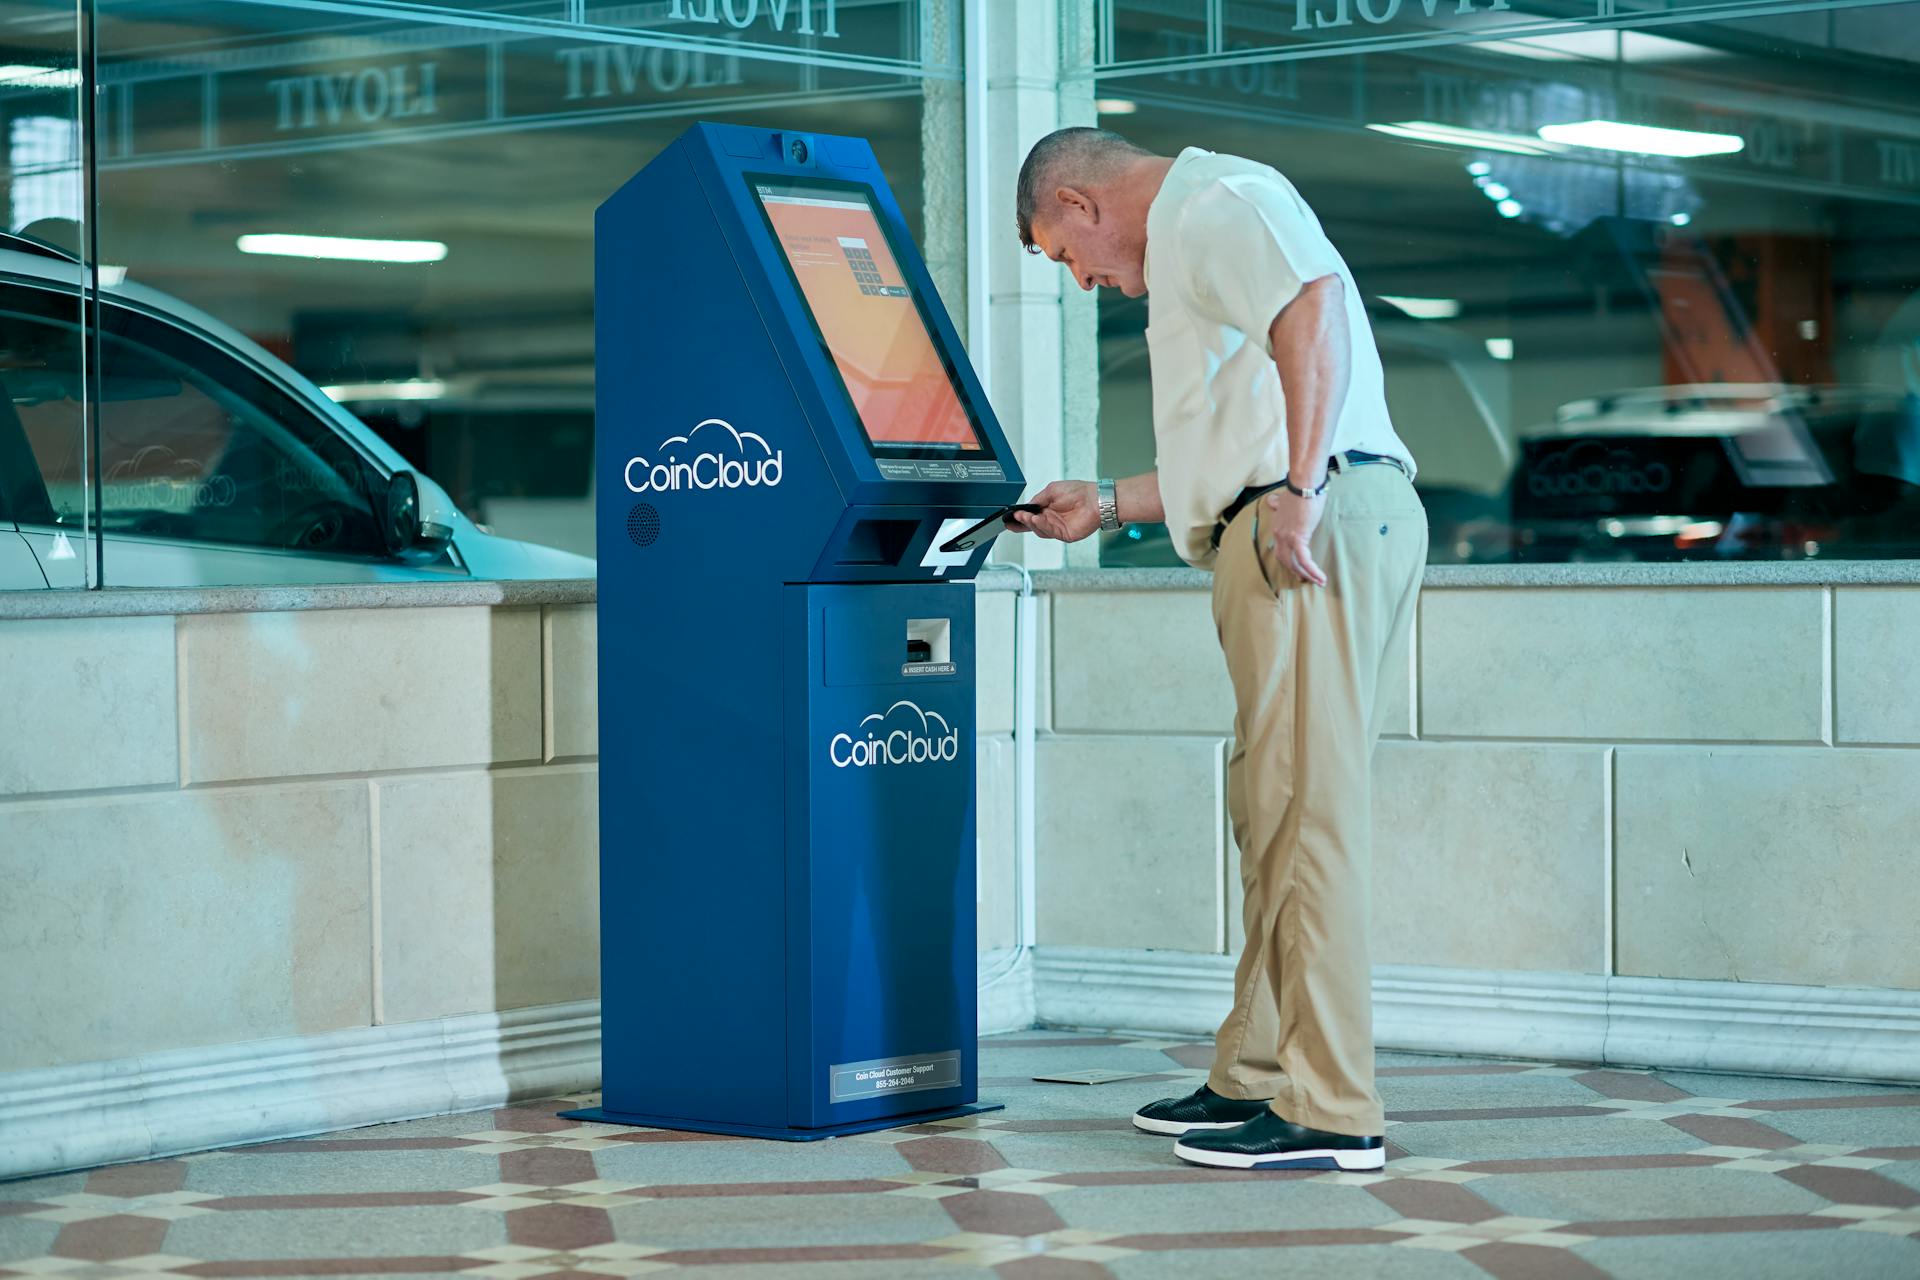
1764 471
218 464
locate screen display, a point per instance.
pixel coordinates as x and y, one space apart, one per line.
868 319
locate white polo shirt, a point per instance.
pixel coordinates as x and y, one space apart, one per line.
1230 243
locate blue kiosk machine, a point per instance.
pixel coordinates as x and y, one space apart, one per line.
788 432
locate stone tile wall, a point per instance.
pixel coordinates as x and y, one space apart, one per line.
228 827
225 827
1669 782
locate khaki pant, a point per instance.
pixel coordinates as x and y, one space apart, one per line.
1307 665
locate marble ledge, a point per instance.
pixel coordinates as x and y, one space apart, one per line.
134 602
124 602
1778 573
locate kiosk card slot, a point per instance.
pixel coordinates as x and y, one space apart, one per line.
882 542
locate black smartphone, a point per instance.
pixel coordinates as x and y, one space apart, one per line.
968 539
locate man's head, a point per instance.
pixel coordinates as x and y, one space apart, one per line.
1083 200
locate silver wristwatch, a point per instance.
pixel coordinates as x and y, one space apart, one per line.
1109 505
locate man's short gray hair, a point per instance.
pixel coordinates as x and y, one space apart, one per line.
1069 156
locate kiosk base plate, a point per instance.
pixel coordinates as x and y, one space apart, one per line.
600 1115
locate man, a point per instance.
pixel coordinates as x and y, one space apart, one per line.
1279 469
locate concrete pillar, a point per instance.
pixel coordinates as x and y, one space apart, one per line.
1040 351
943 152
1079 310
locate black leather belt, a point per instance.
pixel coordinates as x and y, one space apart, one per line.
1337 463
1235 507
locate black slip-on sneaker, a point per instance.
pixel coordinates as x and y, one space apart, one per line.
1201 1109
1269 1142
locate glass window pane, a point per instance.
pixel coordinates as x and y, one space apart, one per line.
1640 294
460 159
45 467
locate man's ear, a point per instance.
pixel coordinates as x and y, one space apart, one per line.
1074 200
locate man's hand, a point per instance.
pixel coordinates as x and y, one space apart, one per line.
1290 525
1070 511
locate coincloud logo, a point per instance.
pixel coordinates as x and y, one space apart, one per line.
711 456
1591 469
902 734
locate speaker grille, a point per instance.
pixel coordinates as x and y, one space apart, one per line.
643 524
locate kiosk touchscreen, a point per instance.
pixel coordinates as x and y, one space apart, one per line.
789 432
866 315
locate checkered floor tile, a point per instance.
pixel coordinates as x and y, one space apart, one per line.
1503 1169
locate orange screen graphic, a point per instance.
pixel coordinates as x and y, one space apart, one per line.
867 315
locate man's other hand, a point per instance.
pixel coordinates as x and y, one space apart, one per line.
1291 527
1069 511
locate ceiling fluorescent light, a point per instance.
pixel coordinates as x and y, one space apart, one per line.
1116 106
290 246
1478 139
1642 46
13 76
1600 46
1425 308
1642 139
412 389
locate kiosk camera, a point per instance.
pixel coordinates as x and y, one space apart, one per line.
788 430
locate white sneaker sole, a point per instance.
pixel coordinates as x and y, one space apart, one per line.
1314 1158
1174 1128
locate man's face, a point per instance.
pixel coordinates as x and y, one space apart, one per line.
1089 242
